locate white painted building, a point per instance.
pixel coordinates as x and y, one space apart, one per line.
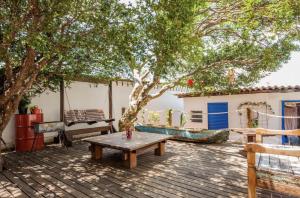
219 110
85 95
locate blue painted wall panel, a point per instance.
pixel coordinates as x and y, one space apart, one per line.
217 115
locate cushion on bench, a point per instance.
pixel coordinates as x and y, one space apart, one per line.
83 116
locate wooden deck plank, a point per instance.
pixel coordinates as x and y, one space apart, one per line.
11 187
186 170
172 169
24 187
38 175
176 182
122 178
106 181
80 185
66 182
111 176
80 179
63 189
209 168
165 183
25 177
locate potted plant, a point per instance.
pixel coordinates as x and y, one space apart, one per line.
153 118
182 120
23 105
169 117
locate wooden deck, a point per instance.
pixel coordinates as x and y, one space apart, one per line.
186 170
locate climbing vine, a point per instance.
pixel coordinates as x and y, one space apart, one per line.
252 122
255 104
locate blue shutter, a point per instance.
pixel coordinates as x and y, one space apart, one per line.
217 115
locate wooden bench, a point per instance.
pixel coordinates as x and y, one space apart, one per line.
86 116
77 134
274 167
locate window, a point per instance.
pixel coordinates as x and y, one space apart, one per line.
196 116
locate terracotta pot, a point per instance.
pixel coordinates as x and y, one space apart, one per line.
36 110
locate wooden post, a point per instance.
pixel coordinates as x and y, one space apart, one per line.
161 149
258 138
110 101
249 118
62 99
251 175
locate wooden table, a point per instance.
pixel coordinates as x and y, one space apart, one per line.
139 142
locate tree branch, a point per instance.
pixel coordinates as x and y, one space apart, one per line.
200 69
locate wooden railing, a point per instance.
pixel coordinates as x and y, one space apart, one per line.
259 147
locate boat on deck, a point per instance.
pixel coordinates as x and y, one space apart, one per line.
188 134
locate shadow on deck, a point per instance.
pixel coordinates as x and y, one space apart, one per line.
186 170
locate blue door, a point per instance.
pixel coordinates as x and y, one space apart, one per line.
217 115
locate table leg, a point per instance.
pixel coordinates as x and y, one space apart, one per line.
131 159
161 149
97 152
125 156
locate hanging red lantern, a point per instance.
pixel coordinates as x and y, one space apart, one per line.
190 82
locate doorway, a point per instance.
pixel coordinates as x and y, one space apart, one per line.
290 120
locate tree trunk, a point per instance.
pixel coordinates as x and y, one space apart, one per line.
138 99
128 118
17 88
6 111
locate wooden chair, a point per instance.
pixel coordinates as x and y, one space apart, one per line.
274 167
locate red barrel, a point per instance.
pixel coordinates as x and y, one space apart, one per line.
25 132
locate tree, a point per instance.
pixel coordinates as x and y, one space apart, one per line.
163 43
44 41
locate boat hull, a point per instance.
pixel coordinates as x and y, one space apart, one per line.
201 136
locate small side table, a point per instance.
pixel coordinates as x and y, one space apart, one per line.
48 127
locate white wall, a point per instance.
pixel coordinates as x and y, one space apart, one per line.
48 102
160 105
83 95
234 119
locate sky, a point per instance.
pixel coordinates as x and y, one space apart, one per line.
288 74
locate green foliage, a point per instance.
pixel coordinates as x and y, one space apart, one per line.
183 119
205 40
169 117
255 38
24 104
172 39
71 36
153 117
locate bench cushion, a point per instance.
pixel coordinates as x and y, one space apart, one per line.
84 116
